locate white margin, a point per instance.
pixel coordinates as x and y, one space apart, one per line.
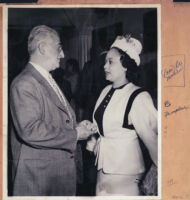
159 101
5 102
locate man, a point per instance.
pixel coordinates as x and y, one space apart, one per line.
45 133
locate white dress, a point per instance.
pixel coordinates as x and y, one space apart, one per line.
117 149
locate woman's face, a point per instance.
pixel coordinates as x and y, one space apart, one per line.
114 71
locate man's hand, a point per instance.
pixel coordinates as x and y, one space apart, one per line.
89 125
85 129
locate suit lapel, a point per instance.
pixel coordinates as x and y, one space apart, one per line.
48 90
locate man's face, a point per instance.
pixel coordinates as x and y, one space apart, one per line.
53 52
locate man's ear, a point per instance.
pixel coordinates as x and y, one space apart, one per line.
41 48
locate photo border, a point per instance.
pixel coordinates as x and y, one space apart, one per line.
5 99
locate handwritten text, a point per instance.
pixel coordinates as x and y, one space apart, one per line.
173 70
166 113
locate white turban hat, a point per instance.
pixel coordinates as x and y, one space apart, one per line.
131 46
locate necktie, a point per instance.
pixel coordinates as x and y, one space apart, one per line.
60 95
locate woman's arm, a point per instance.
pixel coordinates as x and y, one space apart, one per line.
143 116
91 144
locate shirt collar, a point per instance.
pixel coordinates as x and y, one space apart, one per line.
122 86
41 70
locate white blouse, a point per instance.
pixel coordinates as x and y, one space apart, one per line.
118 151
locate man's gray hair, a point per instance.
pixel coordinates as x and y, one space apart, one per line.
38 34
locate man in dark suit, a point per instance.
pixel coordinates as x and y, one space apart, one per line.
45 133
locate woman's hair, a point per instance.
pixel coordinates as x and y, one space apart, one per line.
132 73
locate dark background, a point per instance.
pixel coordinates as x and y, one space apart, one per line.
85 33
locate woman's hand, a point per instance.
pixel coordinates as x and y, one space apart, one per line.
89 125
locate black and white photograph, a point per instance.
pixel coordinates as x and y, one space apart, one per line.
83 101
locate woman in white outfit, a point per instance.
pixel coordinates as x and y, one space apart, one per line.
123 113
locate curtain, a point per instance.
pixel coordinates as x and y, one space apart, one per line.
85 45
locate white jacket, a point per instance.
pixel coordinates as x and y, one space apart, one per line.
118 151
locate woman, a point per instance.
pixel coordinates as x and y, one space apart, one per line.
123 113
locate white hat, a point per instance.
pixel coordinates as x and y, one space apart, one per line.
131 46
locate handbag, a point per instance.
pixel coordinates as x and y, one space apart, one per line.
149 184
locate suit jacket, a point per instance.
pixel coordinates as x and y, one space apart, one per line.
43 140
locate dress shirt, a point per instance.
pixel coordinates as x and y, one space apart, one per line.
41 70
53 84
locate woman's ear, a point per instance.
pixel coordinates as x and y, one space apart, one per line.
41 48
